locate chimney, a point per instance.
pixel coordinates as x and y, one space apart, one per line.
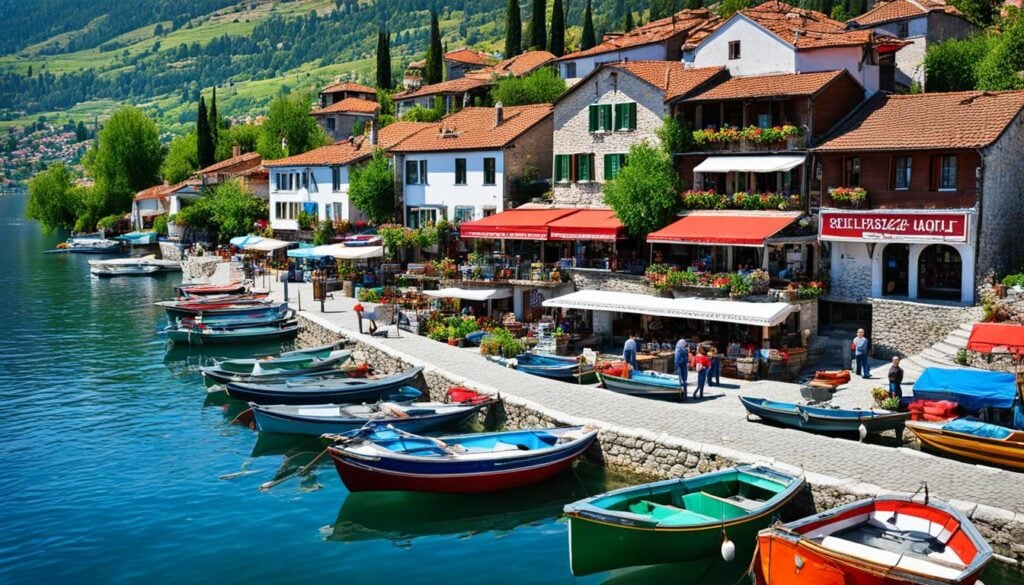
499 114
236 150
373 133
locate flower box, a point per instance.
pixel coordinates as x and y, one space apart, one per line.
849 197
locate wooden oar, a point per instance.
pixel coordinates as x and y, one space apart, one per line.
301 472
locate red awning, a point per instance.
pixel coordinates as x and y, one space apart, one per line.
588 224
997 337
728 229
515 224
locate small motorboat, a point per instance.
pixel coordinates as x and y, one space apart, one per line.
475 337
132 266
321 391
886 540
677 520
381 458
318 419
646 383
974 440
88 245
824 420
202 334
138 238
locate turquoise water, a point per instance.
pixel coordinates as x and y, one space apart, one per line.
116 469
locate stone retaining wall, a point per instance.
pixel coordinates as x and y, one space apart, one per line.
648 455
584 279
907 327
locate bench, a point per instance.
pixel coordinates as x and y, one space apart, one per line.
666 515
907 561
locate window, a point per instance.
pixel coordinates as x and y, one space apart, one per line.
489 211
489 171
853 171
764 120
463 214
947 173
613 163
460 171
902 30
286 210
563 168
415 172
734 49
335 179
584 165
330 124
311 183
902 179
625 116
421 216
290 181
569 70
600 118
423 172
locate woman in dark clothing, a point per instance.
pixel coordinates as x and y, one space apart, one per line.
895 378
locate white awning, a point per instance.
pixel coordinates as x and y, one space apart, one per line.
259 243
470 294
750 164
349 252
740 312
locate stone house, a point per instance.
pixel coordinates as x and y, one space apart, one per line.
659 40
246 167
612 108
466 165
919 23
942 175
342 104
461 61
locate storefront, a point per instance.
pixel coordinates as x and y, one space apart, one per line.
915 254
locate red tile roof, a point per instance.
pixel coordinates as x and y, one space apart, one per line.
804 29
521 64
352 150
467 56
461 85
349 86
672 77
928 121
249 157
653 32
474 129
350 106
762 86
154 192
892 10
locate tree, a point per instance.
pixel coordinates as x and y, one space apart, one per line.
81 132
953 64
839 13
434 72
587 39
125 159
981 12
52 198
674 136
288 120
372 188
383 60
513 29
538 26
729 7
224 211
645 193
204 140
540 87
29 71
214 123
1003 66
245 136
693 4
628 24
557 43
182 160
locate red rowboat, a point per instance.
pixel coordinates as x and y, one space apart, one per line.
889 540
188 290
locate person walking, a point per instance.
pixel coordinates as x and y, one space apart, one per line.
702 364
682 359
860 348
895 378
629 351
715 371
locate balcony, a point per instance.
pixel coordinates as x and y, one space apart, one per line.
751 139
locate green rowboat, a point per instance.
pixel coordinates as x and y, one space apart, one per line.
677 520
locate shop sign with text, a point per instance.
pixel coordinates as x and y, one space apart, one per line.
944 227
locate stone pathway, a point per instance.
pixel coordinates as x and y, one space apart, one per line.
719 423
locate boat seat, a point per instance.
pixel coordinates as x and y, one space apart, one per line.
715 507
943 570
666 515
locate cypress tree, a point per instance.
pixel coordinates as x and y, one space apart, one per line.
435 55
214 122
538 25
587 41
557 43
513 30
204 142
628 25
383 59
694 4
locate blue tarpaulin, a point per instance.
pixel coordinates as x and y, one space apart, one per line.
977 428
971 389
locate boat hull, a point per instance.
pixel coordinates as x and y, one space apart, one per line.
253 334
349 391
999 453
637 388
268 421
820 420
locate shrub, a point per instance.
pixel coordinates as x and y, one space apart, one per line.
160 225
324 233
879 394
961 356
109 222
1014 279
305 220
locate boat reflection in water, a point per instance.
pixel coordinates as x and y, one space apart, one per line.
182 359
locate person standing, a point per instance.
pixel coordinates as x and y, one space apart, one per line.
702 364
682 359
860 348
895 378
715 370
629 351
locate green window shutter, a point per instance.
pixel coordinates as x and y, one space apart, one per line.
618 117
631 109
584 162
561 167
607 125
593 118
612 166
558 167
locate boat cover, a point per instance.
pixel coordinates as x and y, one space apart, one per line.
976 428
971 389
997 338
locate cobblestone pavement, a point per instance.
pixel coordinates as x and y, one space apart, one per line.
719 421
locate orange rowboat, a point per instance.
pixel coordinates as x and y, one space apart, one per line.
1002 448
889 540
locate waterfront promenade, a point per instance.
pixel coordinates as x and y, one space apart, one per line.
717 424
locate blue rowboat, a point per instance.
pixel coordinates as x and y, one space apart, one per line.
380 458
646 383
318 419
273 369
549 366
823 420
317 391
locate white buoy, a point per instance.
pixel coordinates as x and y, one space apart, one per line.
863 431
798 561
728 549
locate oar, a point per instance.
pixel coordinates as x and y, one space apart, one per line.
301 472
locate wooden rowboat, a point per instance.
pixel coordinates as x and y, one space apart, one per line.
887 540
315 391
677 520
977 441
646 383
824 420
278 330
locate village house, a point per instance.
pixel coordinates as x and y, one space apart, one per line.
149 204
466 165
612 108
920 23
659 40
775 37
413 75
317 182
245 167
921 196
461 61
342 105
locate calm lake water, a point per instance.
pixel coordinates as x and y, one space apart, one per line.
116 468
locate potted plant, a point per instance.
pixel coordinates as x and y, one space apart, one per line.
879 395
759 280
852 197
453 335
891 403
561 341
